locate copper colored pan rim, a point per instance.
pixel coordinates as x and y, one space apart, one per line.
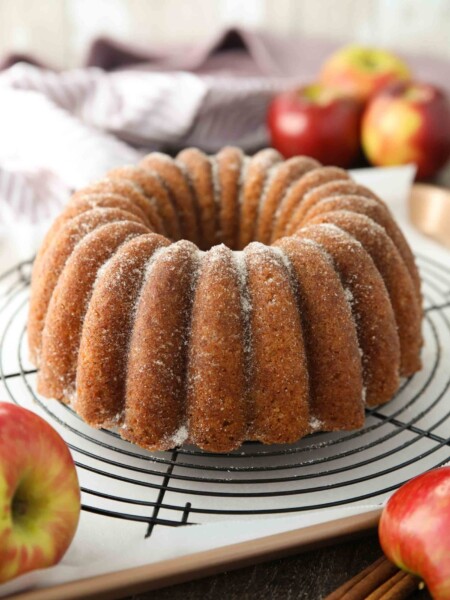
429 211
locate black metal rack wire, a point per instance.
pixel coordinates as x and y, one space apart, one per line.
401 439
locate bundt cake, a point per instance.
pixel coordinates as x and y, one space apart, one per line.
219 299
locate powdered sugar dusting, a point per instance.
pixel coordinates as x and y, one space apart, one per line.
242 179
217 194
271 255
283 257
364 394
271 169
215 180
337 233
161 156
269 177
315 424
349 296
105 266
180 436
246 305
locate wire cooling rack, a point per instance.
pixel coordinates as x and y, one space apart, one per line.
401 439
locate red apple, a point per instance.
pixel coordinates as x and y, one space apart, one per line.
361 72
408 122
316 122
39 493
415 530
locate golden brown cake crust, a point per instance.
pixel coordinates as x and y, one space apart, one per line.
279 397
180 191
398 281
173 342
371 307
283 177
198 168
378 213
85 202
258 173
327 190
102 361
294 196
217 397
334 361
68 306
49 265
153 187
131 191
105 200
106 188
230 163
155 411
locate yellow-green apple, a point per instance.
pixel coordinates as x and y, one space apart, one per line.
361 72
414 530
39 493
317 122
408 122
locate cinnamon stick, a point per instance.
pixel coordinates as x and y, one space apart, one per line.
406 586
360 586
379 581
337 594
401 585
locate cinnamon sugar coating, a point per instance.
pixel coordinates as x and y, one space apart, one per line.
103 356
333 188
48 266
217 394
155 409
231 172
258 173
396 277
130 190
380 214
69 304
331 344
295 194
279 395
152 185
182 196
199 173
218 299
371 308
289 172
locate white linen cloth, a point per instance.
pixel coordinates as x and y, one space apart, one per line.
61 131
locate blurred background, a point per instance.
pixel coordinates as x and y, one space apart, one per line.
59 32
89 85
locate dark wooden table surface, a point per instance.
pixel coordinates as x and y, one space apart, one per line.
309 576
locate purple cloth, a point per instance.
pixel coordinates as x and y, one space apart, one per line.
61 130
236 51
